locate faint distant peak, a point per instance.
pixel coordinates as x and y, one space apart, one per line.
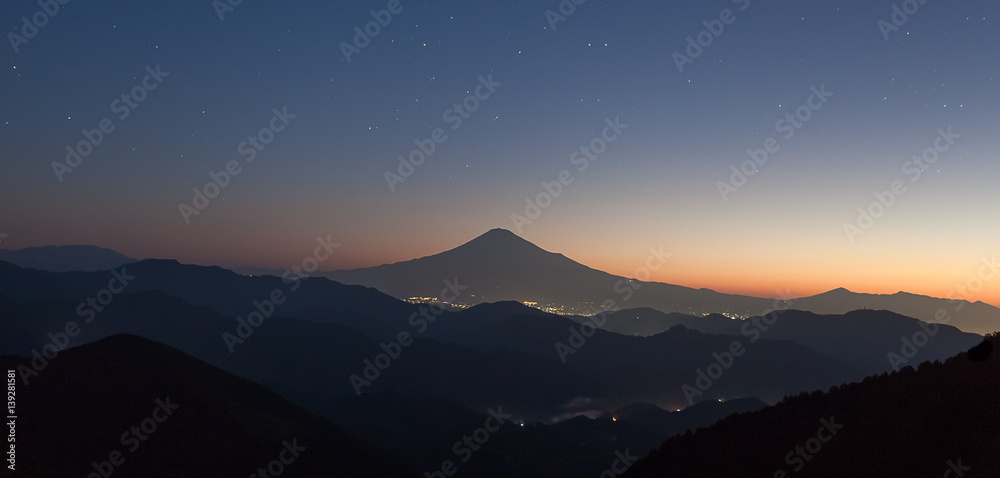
839 290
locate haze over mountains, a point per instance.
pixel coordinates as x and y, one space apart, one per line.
326 323
499 265
354 371
310 362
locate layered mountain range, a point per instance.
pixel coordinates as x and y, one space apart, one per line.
376 386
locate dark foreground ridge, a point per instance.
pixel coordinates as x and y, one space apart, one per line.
911 423
127 406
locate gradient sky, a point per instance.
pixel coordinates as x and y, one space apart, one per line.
654 186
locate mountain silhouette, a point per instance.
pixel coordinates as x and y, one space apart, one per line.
653 369
919 422
323 356
81 409
495 266
441 390
466 362
499 265
65 258
228 293
977 317
861 338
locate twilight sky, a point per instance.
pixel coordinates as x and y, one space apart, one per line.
890 93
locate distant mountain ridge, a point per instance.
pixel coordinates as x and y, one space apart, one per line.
501 266
65 258
517 348
477 358
978 317
862 338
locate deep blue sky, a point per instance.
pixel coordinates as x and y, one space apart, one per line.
656 185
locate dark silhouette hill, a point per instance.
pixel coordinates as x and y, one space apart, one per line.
620 369
912 423
192 419
401 413
226 292
513 362
308 362
653 369
65 258
862 338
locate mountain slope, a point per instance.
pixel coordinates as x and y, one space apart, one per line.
653 369
191 419
912 423
862 338
310 363
499 265
228 293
